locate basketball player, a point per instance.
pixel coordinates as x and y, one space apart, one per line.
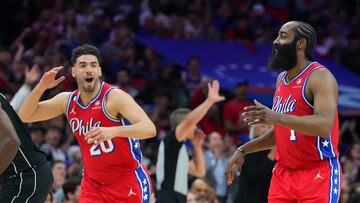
305 120
96 112
26 175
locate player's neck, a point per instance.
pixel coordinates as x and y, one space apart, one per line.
86 97
300 66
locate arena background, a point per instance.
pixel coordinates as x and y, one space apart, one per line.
146 48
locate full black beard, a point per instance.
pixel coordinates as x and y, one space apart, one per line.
285 58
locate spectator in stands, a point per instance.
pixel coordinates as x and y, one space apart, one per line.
52 144
193 77
215 165
191 197
233 122
59 173
71 190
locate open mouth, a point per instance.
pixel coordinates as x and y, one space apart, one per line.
89 80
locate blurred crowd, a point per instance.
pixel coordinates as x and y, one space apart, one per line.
40 34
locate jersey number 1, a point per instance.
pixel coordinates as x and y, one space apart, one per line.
293 135
96 150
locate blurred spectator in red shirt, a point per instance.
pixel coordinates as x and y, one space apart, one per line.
233 121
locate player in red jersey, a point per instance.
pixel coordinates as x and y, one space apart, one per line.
96 112
305 120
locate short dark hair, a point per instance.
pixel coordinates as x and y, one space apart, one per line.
193 58
53 163
177 116
70 186
242 83
306 31
85 49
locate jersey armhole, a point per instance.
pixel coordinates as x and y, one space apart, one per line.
303 91
280 78
107 114
68 103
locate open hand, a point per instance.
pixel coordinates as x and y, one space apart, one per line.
234 165
48 80
260 114
213 91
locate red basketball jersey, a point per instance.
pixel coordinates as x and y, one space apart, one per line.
295 149
110 161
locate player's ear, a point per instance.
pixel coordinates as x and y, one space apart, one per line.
300 44
100 74
73 71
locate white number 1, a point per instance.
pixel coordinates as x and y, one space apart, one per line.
292 135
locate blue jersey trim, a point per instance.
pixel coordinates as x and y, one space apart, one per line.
335 180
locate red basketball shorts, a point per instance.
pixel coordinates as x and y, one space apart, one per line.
319 183
135 188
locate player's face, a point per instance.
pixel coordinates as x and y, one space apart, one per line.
284 56
87 72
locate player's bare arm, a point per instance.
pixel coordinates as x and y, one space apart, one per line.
322 91
185 129
33 110
119 103
264 142
197 166
9 141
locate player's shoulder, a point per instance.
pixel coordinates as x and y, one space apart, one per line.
321 74
63 95
321 78
117 92
62 98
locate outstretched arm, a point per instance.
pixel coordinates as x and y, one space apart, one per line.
30 77
323 88
121 103
32 110
264 142
9 141
187 127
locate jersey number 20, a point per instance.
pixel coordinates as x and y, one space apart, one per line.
96 150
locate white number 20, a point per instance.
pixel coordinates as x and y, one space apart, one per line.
96 150
293 135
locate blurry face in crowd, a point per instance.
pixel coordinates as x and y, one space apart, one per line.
59 170
87 72
215 141
37 136
59 174
123 77
191 198
74 198
241 91
53 136
199 187
194 66
284 53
